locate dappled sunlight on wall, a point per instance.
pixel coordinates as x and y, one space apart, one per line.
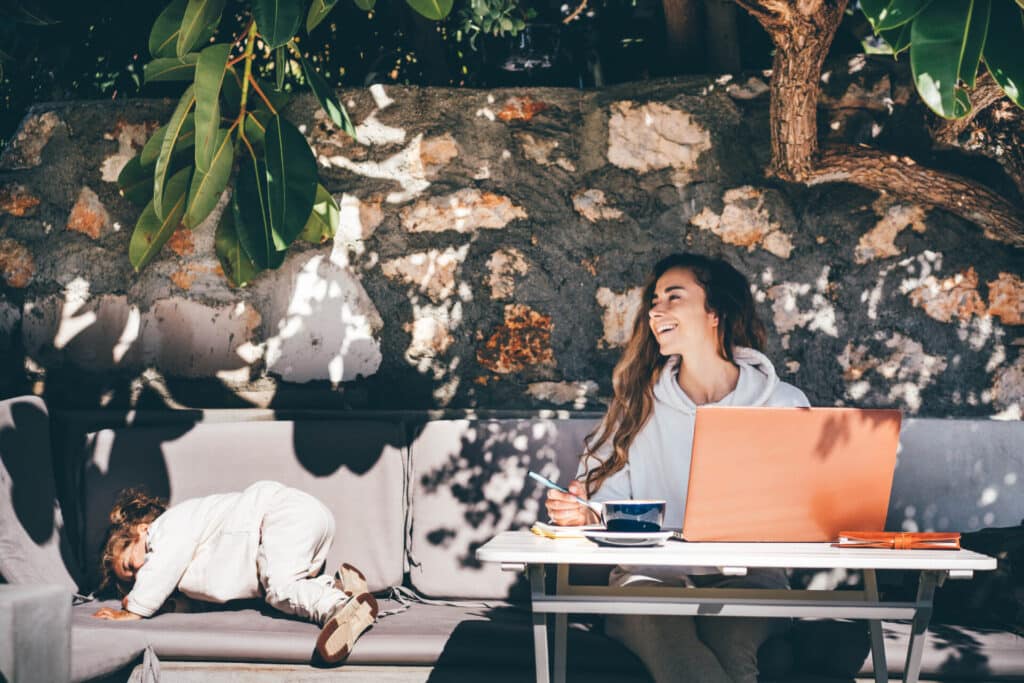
324 325
489 254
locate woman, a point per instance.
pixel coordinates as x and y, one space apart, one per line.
696 341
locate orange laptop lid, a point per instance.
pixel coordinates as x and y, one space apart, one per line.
789 474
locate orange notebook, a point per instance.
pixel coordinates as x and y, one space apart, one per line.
899 540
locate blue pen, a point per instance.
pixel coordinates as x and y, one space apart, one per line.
596 507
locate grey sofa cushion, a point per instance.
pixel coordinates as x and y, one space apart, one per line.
357 468
478 639
469 483
33 545
466 639
958 475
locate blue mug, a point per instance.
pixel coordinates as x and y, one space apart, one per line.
634 515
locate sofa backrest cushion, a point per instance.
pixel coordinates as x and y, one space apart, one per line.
958 475
469 482
357 468
33 545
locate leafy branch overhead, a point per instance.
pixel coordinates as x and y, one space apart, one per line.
949 40
228 124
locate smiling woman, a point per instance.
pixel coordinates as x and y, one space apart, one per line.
696 340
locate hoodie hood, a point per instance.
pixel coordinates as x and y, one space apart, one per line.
755 386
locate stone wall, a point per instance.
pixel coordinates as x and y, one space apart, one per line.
491 249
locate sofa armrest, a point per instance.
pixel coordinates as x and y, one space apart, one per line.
35 633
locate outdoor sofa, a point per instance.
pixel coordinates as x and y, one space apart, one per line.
414 496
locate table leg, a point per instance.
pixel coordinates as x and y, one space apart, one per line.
878 662
925 592
540 625
561 626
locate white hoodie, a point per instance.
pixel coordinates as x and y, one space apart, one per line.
206 548
659 457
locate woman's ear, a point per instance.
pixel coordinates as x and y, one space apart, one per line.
141 528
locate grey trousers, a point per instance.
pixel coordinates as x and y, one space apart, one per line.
699 649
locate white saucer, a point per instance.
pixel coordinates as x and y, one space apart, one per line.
635 539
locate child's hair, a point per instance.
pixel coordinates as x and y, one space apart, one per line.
133 507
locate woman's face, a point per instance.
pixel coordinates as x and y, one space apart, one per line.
678 317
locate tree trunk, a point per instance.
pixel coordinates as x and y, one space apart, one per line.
722 36
682 39
904 178
802 31
802 38
430 49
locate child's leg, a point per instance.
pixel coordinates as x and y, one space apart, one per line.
296 535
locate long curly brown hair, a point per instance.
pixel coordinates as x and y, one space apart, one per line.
133 506
727 294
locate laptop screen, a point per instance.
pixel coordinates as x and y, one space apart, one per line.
789 474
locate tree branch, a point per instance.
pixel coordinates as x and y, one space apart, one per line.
576 12
801 44
766 11
984 94
902 177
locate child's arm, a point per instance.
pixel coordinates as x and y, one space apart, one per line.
116 614
165 564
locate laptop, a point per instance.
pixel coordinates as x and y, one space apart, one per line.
789 474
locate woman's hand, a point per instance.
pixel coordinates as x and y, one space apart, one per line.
564 510
115 614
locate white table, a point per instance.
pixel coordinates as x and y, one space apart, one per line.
524 551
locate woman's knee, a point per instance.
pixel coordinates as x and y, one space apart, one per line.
736 641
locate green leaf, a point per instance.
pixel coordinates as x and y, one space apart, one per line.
291 180
898 38
256 128
251 207
328 99
432 9
274 194
367 5
324 220
886 15
136 182
174 129
152 232
280 67
941 38
170 69
209 76
163 37
974 42
207 186
198 17
231 93
277 20
237 266
186 138
317 12
1003 48
30 15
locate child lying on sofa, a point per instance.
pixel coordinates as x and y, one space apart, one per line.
268 540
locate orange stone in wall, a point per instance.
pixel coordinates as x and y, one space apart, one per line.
522 341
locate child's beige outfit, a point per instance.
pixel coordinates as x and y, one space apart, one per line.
267 541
